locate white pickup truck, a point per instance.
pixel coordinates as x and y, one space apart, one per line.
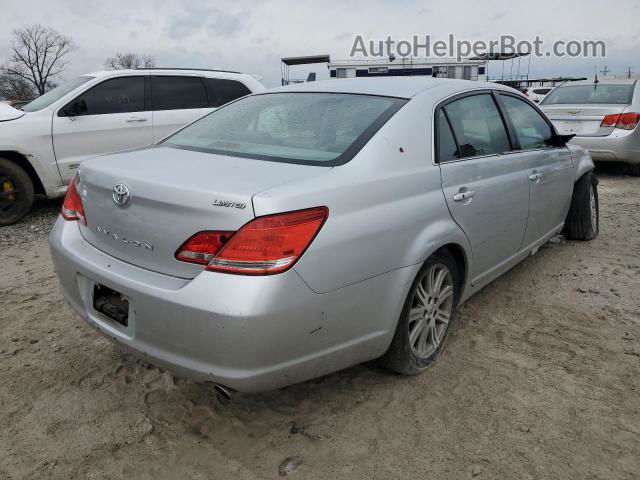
42 144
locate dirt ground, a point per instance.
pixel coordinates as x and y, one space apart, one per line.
541 379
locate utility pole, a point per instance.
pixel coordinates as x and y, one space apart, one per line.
605 71
629 71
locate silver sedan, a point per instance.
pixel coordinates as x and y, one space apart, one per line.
313 227
603 116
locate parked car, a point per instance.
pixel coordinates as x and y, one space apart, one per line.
537 94
317 226
603 117
42 145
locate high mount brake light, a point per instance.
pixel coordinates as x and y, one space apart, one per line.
72 208
264 246
625 121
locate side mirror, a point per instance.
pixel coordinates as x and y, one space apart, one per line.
561 140
77 107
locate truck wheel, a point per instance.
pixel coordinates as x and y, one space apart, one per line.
16 192
425 322
634 169
583 219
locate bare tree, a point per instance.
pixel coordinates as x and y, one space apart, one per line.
15 88
127 60
37 55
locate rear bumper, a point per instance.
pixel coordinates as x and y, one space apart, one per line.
620 146
247 333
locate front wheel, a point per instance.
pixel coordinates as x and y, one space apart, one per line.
16 192
583 219
425 322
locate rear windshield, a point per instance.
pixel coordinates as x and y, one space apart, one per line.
308 128
596 93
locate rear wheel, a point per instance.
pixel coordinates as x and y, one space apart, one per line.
583 219
425 322
16 192
634 169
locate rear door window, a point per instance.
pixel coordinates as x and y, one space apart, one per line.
178 93
477 125
223 91
530 128
117 95
446 146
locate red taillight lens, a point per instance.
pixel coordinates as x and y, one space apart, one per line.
610 120
264 246
72 208
202 247
628 121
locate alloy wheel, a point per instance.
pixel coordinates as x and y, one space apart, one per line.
431 310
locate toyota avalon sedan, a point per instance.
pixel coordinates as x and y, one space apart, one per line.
303 230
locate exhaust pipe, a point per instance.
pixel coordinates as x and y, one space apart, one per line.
224 394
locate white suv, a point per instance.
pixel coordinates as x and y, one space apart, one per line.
42 145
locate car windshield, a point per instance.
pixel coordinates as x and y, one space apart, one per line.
596 93
308 128
57 93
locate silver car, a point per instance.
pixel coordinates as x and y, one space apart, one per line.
603 116
313 227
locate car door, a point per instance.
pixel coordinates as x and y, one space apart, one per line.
109 117
550 168
177 101
485 187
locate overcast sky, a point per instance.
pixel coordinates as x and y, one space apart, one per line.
252 36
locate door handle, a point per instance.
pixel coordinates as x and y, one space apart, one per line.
462 196
535 177
136 119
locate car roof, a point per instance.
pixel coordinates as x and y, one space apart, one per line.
403 87
168 71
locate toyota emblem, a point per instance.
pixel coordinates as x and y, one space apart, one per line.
121 194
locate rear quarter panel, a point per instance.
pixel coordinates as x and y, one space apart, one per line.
386 206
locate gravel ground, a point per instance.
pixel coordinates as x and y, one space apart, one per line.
35 226
540 380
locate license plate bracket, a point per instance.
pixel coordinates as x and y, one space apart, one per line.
111 304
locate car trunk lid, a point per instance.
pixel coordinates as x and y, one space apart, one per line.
581 120
173 194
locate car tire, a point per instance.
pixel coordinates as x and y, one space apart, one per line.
583 219
634 169
412 351
16 192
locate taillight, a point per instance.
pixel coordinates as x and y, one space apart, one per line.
625 121
72 208
202 247
628 121
264 246
610 120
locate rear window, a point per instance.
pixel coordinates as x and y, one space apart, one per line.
307 128
590 94
176 93
226 90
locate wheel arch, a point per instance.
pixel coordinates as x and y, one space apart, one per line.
445 234
462 263
22 161
582 161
